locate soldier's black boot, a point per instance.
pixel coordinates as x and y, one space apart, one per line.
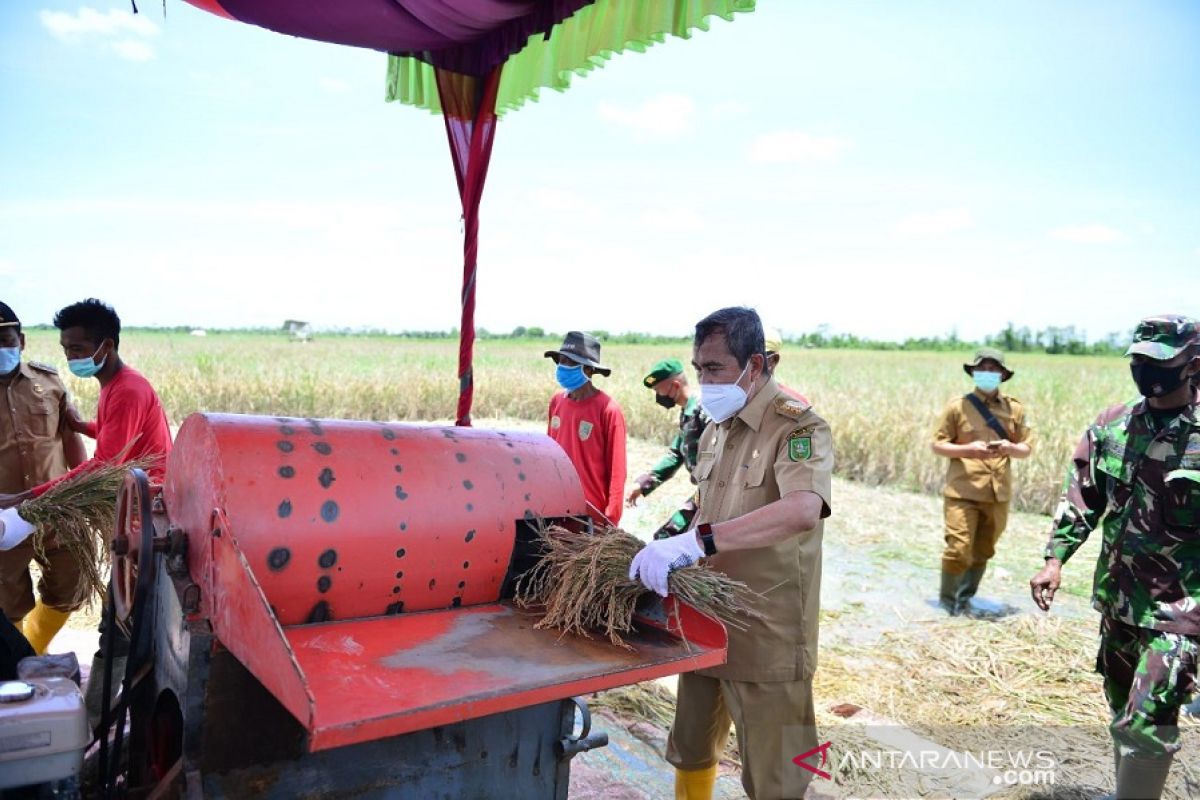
967 588
948 592
1142 777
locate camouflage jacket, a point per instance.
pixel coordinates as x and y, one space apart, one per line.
683 450
1142 480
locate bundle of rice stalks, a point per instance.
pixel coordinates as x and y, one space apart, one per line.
583 582
77 514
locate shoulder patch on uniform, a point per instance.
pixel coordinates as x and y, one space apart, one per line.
799 443
790 407
43 367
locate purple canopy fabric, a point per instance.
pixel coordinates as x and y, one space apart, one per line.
471 37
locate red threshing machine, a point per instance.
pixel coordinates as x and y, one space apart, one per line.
322 608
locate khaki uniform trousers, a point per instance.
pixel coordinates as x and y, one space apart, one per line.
774 723
60 577
972 530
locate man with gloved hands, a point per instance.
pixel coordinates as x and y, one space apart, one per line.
764 472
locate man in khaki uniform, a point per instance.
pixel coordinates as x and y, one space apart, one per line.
980 433
36 445
764 473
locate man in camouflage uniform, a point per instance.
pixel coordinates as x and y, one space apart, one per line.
1137 470
671 390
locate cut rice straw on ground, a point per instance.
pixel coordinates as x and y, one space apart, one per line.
77 515
582 580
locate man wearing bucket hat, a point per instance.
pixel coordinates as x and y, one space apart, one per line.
1136 476
979 433
670 385
589 425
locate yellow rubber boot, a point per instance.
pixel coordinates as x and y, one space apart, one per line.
40 625
695 784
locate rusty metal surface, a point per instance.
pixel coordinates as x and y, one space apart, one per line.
375 678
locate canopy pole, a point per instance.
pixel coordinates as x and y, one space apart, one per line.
469 110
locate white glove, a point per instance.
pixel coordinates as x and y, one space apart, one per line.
13 529
654 562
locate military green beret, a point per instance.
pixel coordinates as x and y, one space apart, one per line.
667 368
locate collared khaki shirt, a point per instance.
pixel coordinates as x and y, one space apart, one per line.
33 422
984 480
773 447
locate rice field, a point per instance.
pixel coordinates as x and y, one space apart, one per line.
882 405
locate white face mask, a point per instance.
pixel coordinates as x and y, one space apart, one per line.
723 400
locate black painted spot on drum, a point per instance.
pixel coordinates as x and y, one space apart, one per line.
285 509
395 608
323 584
400 493
395 590
403 526
278 558
400 553
286 430
284 420
314 427
320 613
389 434
528 497
399 468
462 584
468 485
508 444
329 510
326 478
327 559
520 476
394 451
399 574
432 583
287 471
448 434
516 460
466 565
460 458
456 602
323 448
285 446
470 535
470 506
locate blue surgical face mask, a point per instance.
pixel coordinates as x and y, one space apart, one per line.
10 359
987 381
86 367
570 378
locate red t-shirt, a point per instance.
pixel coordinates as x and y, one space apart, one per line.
592 432
129 410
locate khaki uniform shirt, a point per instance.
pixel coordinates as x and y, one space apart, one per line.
33 424
984 480
773 447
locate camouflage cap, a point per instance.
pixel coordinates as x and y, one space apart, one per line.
986 354
8 319
1163 336
667 368
772 341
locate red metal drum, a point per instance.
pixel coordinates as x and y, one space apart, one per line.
341 520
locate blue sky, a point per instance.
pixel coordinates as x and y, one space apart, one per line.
886 169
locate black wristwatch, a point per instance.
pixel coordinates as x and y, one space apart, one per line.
706 538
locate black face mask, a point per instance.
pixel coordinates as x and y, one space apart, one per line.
1155 381
664 400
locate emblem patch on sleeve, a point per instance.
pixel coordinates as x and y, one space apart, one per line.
800 446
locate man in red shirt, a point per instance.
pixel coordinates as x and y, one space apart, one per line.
130 422
589 426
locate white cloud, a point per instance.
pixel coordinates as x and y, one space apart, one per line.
115 22
672 220
133 50
333 85
791 147
124 33
662 116
1094 233
935 223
